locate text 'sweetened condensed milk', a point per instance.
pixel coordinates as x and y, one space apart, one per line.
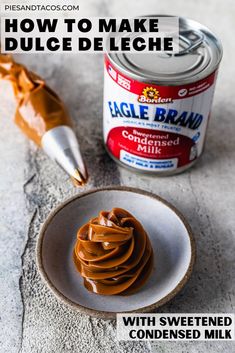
157 106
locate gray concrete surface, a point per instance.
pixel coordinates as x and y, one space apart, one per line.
32 320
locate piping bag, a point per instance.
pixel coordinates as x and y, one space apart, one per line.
42 117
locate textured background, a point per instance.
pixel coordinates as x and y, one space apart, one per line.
32 320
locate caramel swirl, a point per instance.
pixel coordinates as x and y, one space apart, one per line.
113 253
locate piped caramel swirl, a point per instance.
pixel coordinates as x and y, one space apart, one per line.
113 253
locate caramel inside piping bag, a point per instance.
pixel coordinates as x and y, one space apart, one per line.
39 109
113 253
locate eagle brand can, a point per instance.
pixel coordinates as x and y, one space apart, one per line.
157 106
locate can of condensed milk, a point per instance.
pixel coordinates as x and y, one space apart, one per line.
157 106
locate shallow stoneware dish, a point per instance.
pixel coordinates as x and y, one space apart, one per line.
170 235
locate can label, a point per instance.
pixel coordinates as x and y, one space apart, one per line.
155 128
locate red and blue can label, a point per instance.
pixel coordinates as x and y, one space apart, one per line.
155 128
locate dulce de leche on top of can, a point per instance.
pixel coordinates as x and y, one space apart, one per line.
42 116
157 105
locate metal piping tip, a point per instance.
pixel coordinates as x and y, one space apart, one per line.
60 143
78 178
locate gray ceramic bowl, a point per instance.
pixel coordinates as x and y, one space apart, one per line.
170 235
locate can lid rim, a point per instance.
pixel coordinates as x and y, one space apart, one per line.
212 46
